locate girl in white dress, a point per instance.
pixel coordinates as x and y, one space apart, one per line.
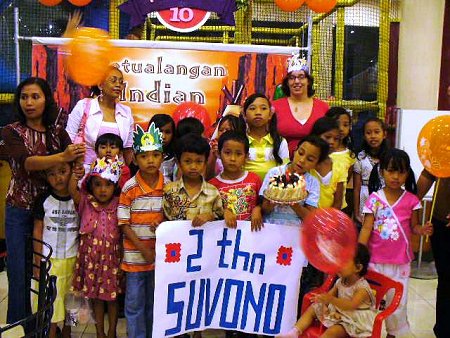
348 309
373 147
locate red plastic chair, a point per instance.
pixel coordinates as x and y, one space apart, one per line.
378 282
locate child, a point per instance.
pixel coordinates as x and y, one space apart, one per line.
348 309
267 148
139 213
110 146
391 215
97 267
344 153
373 146
191 197
331 174
190 125
310 151
166 126
239 188
56 223
226 123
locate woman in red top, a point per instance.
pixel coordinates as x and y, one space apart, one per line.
298 111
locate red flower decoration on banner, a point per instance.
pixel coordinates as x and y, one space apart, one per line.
284 255
173 252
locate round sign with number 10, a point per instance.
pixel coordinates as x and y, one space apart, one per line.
183 19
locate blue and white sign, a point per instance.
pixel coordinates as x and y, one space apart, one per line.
232 279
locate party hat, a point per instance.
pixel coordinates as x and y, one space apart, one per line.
109 169
147 140
297 63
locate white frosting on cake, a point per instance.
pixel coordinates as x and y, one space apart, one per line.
286 188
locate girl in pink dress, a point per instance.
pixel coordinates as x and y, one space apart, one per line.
97 266
391 214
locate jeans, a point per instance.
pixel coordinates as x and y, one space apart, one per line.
19 225
440 244
139 303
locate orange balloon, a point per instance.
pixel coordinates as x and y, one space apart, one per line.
79 3
433 146
50 2
289 5
88 56
321 6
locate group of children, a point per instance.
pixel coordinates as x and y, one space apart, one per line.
102 224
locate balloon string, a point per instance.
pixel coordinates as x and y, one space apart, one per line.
436 187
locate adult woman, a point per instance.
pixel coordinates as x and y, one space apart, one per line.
91 118
297 112
29 143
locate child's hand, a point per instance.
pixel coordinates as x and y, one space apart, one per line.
268 206
214 147
230 219
149 256
426 230
201 219
78 170
154 225
358 217
73 23
324 298
256 220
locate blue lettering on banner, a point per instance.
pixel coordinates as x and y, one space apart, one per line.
237 253
192 296
249 299
211 308
245 294
223 243
190 258
229 283
281 290
175 307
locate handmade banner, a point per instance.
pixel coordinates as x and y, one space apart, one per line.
231 279
161 75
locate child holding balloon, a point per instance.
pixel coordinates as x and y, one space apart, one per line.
391 215
348 308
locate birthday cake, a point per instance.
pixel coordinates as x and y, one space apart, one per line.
287 188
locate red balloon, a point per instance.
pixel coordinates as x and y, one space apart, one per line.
289 5
321 6
328 239
50 2
192 109
80 3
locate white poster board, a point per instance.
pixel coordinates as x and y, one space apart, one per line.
233 279
409 124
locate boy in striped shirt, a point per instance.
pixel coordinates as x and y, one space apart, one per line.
139 213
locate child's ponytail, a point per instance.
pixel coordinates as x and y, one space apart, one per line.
374 179
410 183
277 139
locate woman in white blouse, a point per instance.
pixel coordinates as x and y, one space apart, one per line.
91 118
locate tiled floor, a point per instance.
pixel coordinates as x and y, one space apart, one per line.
421 309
